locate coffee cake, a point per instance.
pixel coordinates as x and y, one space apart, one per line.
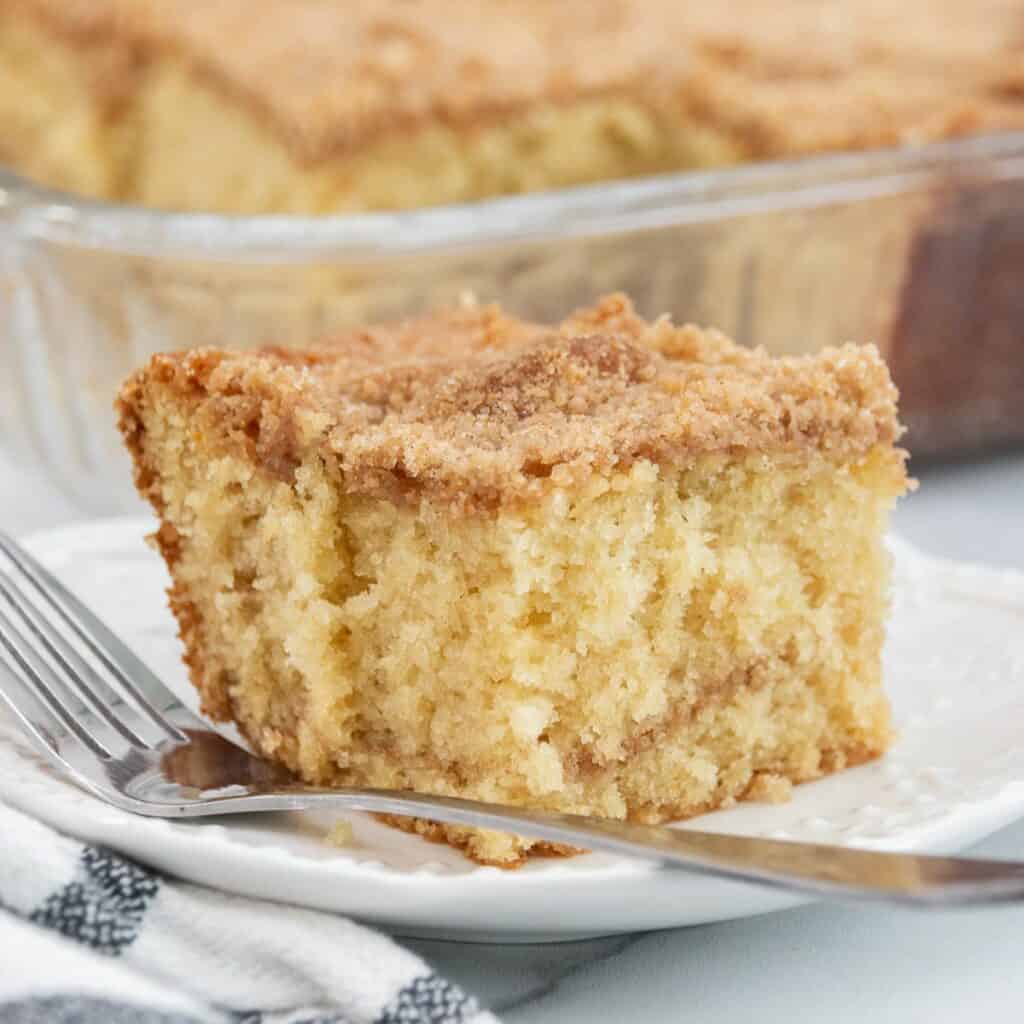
615 567
308 106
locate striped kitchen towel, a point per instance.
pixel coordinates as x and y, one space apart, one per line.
90 937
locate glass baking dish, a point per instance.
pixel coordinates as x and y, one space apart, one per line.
919 250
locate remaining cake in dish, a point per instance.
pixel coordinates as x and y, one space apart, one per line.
311 106
615 567
320 105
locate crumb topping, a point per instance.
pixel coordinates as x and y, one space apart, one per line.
474 408
799 77
779 78
333 73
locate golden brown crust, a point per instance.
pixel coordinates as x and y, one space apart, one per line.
461 839
777 78
214 696
474 409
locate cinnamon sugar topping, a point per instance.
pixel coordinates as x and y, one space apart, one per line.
473 408
332 74
777 78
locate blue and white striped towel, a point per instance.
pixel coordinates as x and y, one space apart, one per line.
90 937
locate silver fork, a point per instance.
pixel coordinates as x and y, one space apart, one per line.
98 714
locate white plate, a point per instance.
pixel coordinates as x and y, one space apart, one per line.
954 668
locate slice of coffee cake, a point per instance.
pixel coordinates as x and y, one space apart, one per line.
614 567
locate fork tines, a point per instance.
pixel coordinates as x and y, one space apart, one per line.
65 674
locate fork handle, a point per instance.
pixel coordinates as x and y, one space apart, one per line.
812 869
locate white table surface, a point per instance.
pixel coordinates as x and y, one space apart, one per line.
845 964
